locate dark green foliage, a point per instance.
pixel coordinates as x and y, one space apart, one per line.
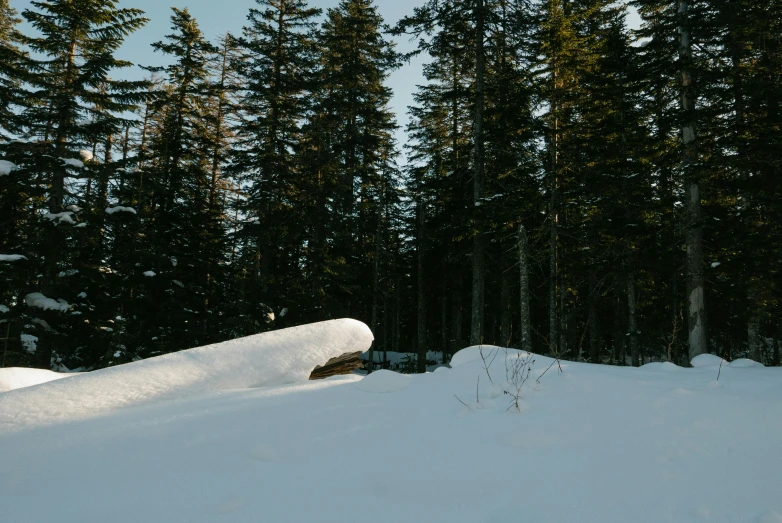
253 184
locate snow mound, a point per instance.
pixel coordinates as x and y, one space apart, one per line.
60 216
468 354
6 167
707 360
11 257
272 358
744 363
73 162
384 381
120 208
660 366
16 377
36 299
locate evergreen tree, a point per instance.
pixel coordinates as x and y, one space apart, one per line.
184 250
277 63
74 105
349 149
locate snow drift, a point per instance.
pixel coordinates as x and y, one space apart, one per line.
16 378
271 358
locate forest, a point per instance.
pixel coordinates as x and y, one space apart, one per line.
568 185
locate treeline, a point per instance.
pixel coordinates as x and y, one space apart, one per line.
570 186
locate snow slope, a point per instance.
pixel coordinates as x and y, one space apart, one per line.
271 358
592 444
15 377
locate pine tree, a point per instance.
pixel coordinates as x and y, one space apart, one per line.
350 150
74 105
277 63
184 240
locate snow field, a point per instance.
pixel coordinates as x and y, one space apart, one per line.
17 378
592 444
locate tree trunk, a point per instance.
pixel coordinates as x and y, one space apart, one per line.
594 332
754 339
456 312
421 339
524 324
505 302
619 335
632 328
397 316
376 279
444 319
562 346
696 306
478 252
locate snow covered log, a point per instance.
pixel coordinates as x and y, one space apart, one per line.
344 364
272 358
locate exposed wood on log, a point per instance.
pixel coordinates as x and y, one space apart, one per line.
344 364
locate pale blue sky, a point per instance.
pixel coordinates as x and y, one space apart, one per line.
219 17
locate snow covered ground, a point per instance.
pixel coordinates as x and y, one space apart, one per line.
17 378
591 444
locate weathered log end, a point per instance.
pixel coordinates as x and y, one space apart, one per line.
344 364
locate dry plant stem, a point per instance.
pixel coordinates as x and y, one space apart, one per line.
517 372
487 365
460 401
674 331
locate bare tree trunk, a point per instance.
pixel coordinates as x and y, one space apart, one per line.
443 321
776 361
478 252
421 339
563 320
619 336
696 309
594 332
754 340
632 327
456 313
505 303
524 325
397 316
376 278
552 216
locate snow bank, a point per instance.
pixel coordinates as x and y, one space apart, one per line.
60 216
119 208
16 377
384 381
744 363
271 358
6 167
36 299
707 360
73 162
11 257
468 354
661 366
